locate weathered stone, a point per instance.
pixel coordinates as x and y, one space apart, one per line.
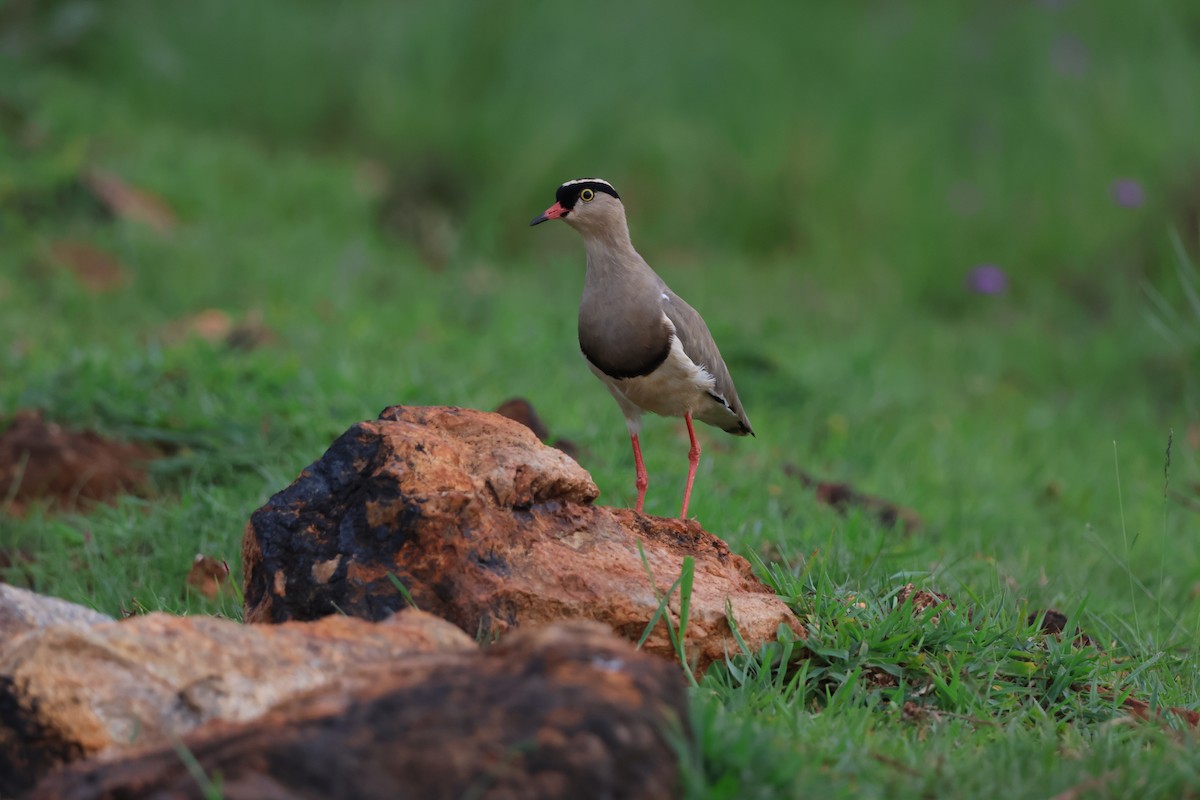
68 692
490 529
522 411
564 711
22 610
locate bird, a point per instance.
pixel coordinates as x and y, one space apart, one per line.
651 349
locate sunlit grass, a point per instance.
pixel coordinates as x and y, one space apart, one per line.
820 195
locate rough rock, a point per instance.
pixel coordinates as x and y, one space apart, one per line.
22 610
564 711
487 527
68 692
522 411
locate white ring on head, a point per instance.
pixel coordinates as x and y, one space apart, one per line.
590 180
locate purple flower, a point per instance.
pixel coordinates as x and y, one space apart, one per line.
1128 193
987 279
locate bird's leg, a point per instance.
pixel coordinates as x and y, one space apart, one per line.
643 480
693 462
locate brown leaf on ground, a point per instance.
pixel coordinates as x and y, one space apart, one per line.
914 712
251 332
209 576
211 324
923 599
876 678
219 327
97 270
843 497
1144 711
129 202
1055 622
42 461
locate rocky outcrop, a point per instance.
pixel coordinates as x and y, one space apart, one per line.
564 711
22 610
478 522
70 691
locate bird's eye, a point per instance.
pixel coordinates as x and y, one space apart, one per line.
586 195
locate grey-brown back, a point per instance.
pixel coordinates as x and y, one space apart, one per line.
697 341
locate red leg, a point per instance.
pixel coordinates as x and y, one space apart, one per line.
643 480
693 462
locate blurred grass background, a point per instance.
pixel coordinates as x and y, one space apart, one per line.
356 180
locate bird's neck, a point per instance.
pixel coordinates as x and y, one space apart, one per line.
609 249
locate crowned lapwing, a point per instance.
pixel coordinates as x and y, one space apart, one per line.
651 349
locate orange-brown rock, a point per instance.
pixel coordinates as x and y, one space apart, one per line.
68 691
564 711
489 528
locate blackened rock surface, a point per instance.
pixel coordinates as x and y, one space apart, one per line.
567 711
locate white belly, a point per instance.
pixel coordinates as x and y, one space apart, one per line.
679 386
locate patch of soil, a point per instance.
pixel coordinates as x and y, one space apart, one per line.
218 327
843 497
127 201
1055 622
41 461
923 599
97 270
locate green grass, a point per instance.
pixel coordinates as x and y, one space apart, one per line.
817 182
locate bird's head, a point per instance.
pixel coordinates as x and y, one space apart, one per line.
590 205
